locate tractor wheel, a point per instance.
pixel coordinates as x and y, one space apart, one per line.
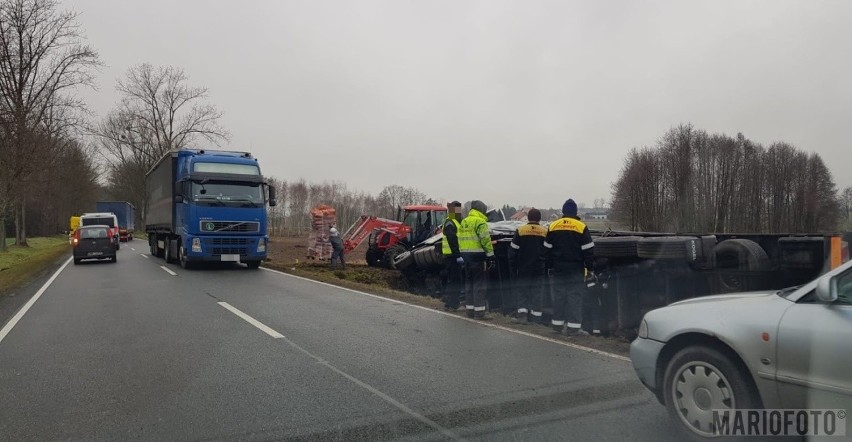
391 253
374 257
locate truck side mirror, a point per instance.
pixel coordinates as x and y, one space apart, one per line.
826 289
273 201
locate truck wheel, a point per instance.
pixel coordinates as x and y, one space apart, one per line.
167 251
184 262
253 264
152 243
403 261
391 253
739 255
700 379
617 247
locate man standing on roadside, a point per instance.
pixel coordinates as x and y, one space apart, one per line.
336 247
526 261
453 261
478 255
569 255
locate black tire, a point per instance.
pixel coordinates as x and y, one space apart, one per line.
114 259
373 257
721 383
403 261
152 245
253 264
662 247
391 253
739 255
184 262
76 261
167 251
617 247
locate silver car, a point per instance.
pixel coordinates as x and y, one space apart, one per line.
782 349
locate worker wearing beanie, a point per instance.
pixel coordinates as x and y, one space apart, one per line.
526 263
569 254
453 261
476 250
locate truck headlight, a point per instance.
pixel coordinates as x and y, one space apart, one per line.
643 329
261 245
196 245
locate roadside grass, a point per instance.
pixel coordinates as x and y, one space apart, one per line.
19 264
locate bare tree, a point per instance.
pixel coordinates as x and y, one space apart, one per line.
159 111
43 58
846 204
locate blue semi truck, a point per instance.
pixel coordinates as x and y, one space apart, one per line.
207 206
126 214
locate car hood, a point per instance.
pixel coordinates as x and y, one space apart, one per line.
730 297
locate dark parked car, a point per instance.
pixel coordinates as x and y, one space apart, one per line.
93 242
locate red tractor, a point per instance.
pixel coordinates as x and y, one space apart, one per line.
389 238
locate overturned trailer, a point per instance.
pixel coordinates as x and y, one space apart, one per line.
638 272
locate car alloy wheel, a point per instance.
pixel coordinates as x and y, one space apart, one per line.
698 389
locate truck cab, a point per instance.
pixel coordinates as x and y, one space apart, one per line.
208 206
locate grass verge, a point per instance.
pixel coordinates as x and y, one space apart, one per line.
392 284
19 264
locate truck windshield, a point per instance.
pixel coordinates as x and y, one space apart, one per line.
227 194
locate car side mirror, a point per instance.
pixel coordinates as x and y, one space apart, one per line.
273 201
826 290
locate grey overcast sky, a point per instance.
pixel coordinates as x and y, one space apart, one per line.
519 102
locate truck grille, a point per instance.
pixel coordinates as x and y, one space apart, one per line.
228 241
230 226
229 251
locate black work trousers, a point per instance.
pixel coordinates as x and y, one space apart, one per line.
567 288
529 284
476 280
452 281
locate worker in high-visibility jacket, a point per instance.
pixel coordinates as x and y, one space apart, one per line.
478 254
569 256
453 261
526 264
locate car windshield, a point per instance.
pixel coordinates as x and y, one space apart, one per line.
227 194
94 233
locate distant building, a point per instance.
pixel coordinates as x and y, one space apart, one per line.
595 214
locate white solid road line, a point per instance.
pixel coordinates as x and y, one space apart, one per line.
252 321
485 324
168 271
143 255
133 249
9 325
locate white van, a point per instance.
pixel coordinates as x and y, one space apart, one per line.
102 219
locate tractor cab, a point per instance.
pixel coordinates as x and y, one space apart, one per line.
421 222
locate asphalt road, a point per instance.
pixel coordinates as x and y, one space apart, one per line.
131 351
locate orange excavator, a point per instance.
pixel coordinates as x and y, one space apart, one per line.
389 238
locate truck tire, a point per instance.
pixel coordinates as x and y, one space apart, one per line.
167 251
403 261
617 247
740 255
184 262
253 264
662 247
152 242
391 253
428 257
